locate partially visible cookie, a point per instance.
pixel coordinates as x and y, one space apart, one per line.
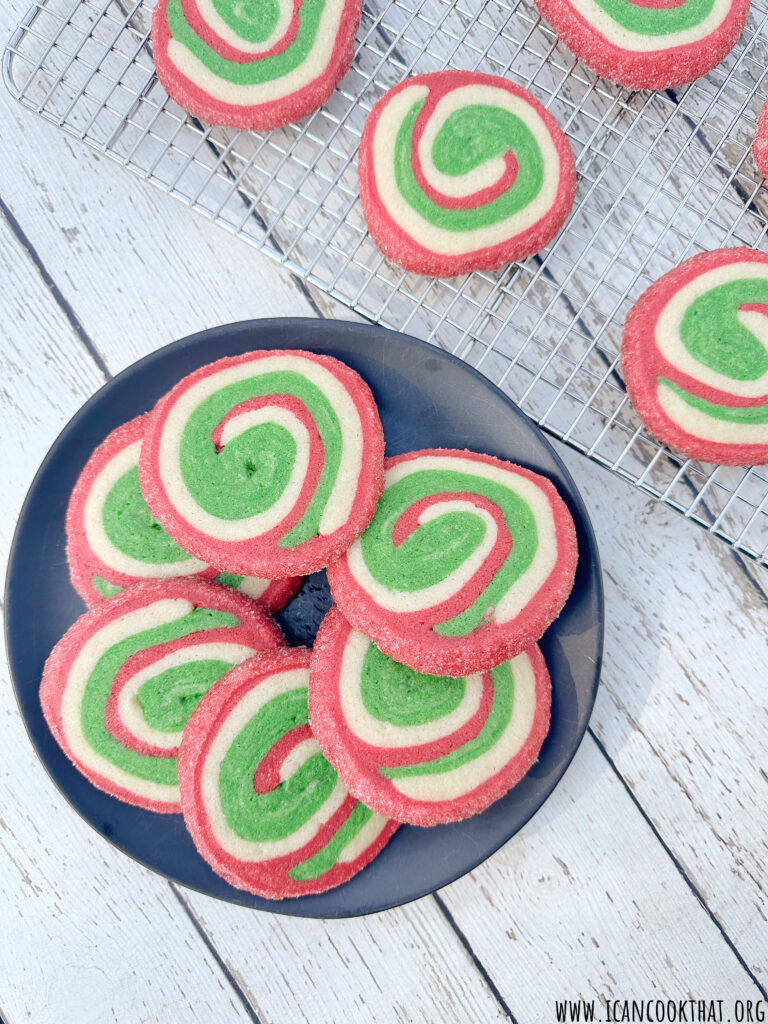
262 804
648 44
462 171
268 463
420 748
113 540
695 357
253 65
119 686
467 561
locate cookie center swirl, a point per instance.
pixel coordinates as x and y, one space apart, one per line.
726 329
269 791
464 165
133 686
252 20
468 167
441 537
432 738
264 452
305 779
715 330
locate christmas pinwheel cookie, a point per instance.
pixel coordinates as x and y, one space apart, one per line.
265 464
421 748
466 562
113 541
121 683
461 171
262 804
648 44
695 357
760 147
253 65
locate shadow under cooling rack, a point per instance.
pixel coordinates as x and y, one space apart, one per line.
662 176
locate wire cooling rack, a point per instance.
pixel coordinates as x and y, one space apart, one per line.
662 176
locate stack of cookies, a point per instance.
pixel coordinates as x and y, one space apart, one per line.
425 697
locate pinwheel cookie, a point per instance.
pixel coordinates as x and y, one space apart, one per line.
420 748
113 541
695 357
265 464
120 684
462 171
263 806
466 562
253 65
648 44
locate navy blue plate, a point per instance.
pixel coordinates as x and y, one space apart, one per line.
427 399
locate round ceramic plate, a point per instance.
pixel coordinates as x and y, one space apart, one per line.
427 399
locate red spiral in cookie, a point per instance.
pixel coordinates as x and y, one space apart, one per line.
113 541
422 748
119 686
466 562
695 357
263 806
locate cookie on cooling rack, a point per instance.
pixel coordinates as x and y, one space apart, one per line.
268 463
648 44
461 171
119 686
760 147
254 66
420 748
466 562
695 357
262 804
113 541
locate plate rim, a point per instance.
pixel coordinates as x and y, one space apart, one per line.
288 322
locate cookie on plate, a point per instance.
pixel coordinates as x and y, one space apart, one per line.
420 748
263 806
462 171
695 357
253 65
113 541
648 44
120 684
466 562
265 464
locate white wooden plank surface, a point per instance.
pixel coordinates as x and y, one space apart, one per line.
682 707
586 903
679 711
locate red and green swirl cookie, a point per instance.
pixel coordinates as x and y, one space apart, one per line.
760 146
461 171
648 44
253 65
695 357
113 541
419 748
262 804
265 464
466 562
119 686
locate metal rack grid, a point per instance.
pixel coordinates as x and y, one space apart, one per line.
662 176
